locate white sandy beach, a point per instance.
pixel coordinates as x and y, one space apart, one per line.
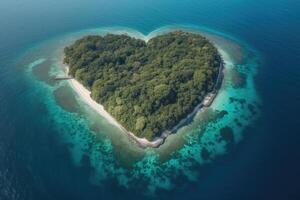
85 95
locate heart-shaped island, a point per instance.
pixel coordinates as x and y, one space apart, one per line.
150 87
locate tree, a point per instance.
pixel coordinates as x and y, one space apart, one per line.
147 87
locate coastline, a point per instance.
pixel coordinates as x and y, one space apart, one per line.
84 94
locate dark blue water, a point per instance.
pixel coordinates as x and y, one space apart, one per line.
34 164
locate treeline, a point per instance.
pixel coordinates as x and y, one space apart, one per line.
148 87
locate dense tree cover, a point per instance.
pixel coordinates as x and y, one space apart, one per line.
148 87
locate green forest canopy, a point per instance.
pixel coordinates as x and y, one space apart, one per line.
147 86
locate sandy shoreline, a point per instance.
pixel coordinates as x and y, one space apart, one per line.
85 95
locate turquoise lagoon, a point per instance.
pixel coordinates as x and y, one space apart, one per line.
213 132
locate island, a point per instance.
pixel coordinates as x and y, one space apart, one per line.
150 88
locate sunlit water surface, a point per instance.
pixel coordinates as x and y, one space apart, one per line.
245 146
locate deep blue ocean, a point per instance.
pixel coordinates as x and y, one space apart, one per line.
36 164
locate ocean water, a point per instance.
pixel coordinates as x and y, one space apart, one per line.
246 146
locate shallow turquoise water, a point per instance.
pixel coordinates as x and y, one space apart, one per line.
111 154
